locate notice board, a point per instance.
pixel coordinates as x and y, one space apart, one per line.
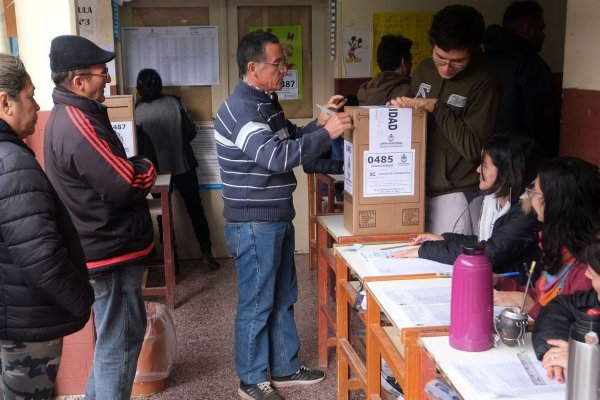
182 55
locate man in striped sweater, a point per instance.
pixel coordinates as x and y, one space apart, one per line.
258 148
105 193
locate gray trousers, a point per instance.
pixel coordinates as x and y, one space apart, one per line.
29 369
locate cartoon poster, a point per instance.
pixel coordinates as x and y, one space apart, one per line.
413 25
290 37
356 53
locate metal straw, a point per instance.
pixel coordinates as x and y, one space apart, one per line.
527 287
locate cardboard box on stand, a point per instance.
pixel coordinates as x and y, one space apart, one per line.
384 163
121 115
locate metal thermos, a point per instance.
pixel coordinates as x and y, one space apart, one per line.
583 373
471 302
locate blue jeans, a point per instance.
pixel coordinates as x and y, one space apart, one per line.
120 320
265 330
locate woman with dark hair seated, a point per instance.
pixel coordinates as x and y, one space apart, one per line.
565 197
508 163
551 331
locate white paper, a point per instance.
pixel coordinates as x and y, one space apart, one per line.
389 174
390 129
87 15
204 147
425 306
408 266
290 86
356 52
182 55
348 167
507 379
124 130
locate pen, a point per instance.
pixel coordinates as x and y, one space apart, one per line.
506 274
325 109
397 247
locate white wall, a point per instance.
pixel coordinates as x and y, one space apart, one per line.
38 22
582 60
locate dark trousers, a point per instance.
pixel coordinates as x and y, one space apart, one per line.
187 185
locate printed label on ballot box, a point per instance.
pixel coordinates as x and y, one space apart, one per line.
389 174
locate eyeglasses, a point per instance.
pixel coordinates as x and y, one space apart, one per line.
532 192
279 64
450 63
106 76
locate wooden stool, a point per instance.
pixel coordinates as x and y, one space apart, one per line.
162 206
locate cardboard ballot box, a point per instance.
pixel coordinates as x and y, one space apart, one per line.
384 163
120 113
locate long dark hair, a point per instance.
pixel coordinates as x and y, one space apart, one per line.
517 159
571 195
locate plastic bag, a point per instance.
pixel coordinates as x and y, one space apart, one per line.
160 345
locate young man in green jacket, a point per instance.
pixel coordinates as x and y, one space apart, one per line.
462 97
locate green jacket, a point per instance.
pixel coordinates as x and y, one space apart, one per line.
462 121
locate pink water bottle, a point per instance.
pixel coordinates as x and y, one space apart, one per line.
471 302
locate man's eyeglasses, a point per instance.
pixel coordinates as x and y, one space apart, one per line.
106 76
531 192
451 63
279 64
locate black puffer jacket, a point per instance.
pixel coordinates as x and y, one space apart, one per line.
43 278
513 242
556 317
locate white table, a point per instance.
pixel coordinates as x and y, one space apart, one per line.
447 360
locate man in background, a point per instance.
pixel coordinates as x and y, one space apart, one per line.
105 194
461 96
394 59
528 102
257 149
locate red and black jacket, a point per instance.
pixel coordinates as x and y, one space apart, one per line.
104 191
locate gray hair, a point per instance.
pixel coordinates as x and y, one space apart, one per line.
64 78
13 75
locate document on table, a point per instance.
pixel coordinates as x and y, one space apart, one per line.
425 306
508 379
404 266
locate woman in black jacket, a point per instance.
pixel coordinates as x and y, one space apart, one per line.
509 163
43 278
553 324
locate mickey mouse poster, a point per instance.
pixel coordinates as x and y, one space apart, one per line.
357 52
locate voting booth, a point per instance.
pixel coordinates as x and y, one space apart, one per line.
384 171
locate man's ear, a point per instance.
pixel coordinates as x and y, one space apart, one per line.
77 82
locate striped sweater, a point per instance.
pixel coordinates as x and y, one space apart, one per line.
257 149
104 191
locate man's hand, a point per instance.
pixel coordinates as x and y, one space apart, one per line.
337 124
416 103
334 104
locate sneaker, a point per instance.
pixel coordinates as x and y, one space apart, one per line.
212 262
258 391
303 376
390 385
